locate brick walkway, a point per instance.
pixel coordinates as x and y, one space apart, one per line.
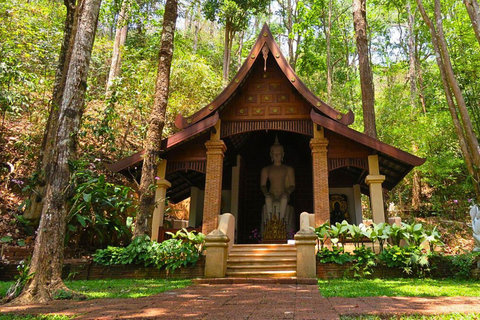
247 301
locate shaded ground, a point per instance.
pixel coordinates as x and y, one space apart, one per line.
247 301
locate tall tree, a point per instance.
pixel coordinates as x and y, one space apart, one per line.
289 14
453 93
412 77
34 210
366 76
474 14
119 42
47 260
156 122
234 15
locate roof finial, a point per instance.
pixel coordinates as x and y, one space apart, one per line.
265 52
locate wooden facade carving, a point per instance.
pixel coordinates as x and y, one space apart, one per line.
267 95
337 163
298 126
174 166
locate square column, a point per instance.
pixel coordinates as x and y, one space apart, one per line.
374 181
321 202
213 184
160 195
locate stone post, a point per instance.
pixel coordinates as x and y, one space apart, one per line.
216 244
321 202
374 181
213 181
305 241
160 195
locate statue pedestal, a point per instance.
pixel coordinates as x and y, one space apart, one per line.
275 228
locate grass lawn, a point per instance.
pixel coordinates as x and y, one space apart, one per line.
448 316
117 288
399 287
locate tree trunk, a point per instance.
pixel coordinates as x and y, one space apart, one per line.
366 76
47 260
120 38
240 49
474 14
328 36
448 79
227 51
156 123
34 210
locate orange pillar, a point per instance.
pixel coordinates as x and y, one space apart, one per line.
213 182
321 202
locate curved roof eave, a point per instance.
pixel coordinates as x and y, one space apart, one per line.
265 37
366 140
169 143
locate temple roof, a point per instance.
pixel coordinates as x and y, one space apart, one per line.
265 38
234 107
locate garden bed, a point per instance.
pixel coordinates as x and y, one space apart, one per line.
438 270
82 269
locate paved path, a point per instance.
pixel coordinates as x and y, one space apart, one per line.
247 301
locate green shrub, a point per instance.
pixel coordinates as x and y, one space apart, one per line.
462 264
184 249
412 260
364 260
336 255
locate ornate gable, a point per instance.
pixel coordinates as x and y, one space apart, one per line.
266 86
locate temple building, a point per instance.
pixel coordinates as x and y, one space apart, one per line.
218 155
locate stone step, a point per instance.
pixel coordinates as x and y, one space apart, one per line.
261 274
263 266
260 268
263 251
261 259
254 280
263 247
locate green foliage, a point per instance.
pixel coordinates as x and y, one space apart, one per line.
364 260
462 264
411 259
182 250
99 209
322 232
20 280
338 233
336 255
414 234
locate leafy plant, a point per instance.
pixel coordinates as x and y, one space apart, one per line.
336 255
397 234
411 259
414 234
364 260
433 237
322 233
462 264
338 233
99 209
356 233
20 280
183 250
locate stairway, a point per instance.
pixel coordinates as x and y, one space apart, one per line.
262 260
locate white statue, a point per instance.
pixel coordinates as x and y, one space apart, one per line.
475 215
282 184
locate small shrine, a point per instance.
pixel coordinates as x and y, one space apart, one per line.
267 149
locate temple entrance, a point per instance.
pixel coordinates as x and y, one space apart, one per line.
246 155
